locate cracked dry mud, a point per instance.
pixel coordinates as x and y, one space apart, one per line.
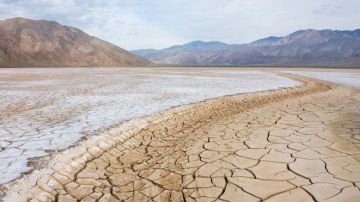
298 144
46 110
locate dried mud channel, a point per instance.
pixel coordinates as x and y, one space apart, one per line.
298 144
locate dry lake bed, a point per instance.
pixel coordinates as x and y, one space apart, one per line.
44 110
51 109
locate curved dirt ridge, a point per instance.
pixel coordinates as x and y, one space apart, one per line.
259 146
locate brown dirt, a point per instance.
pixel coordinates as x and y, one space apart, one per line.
298 144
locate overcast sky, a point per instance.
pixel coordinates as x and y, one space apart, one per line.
134 24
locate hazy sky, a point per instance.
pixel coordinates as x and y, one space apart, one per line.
134 24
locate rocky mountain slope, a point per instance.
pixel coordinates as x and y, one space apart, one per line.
25 42
304 47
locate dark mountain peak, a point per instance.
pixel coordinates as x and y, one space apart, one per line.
194 43
199 45
272 40
203 43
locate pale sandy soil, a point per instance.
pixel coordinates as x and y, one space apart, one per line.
297 144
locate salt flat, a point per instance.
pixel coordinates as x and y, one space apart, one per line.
349 78
47 109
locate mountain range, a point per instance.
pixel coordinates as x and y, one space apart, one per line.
25 42
302 48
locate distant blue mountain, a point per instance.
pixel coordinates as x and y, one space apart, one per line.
304 47
201 45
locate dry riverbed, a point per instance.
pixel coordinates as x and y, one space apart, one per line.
299 143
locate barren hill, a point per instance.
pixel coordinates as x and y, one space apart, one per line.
25 42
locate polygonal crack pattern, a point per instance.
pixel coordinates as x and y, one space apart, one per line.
299 144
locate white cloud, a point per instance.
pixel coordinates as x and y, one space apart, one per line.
160 23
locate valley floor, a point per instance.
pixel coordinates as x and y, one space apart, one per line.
295 144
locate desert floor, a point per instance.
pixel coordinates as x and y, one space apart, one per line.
299 143
46 110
